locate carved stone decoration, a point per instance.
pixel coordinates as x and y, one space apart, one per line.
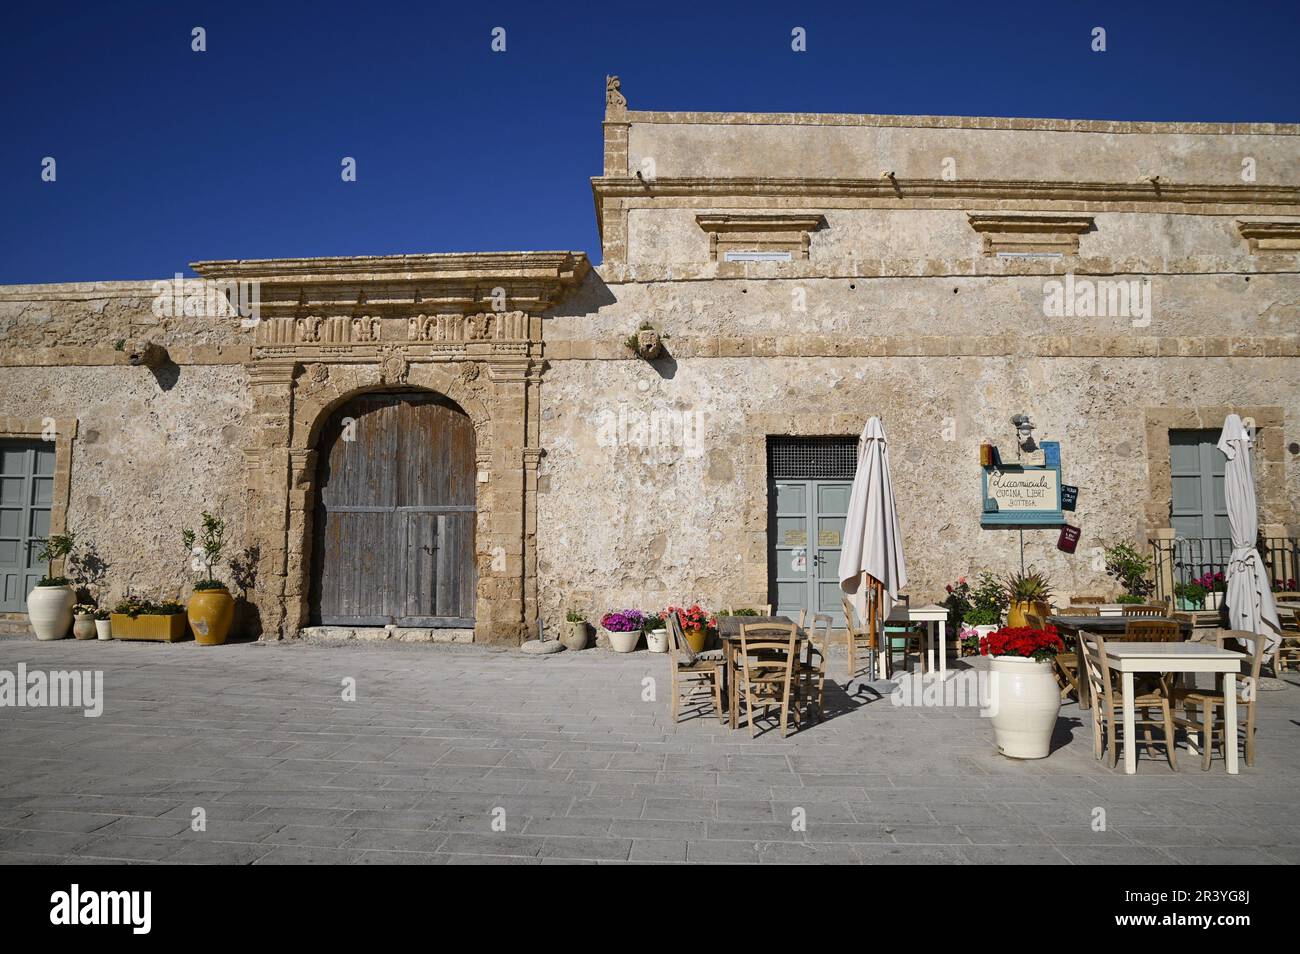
318 375
366 328
479 327
648 344
424 328
309 328
615 101
469 372
393 366
140 352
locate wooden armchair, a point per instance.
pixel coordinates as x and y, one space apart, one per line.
1209 702
1108 705
690 671
768 654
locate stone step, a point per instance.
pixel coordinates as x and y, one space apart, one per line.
15 627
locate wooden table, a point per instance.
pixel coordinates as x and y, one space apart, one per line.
1107 627
1129 658
729 636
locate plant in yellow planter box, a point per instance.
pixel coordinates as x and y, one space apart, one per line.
211 609
1030 594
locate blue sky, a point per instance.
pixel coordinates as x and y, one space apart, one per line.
167 156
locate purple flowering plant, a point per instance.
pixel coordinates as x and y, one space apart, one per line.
626 621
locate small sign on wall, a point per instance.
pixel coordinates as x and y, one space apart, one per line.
1068 541
1069 496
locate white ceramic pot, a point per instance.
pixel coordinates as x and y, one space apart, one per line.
1025 700
49 609
623 642
104 628
1212 600
656 640
83 627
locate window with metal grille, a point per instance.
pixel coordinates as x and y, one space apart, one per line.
812 458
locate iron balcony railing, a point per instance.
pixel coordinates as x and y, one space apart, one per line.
1191 558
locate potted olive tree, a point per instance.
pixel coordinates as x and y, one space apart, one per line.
211 608
1129 568
49 604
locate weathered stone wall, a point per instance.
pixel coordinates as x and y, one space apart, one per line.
148 457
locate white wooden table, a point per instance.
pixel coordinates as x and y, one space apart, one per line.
930 615
1129 658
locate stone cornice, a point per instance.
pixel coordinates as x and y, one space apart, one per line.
402 285
941 346
1110 127
901 191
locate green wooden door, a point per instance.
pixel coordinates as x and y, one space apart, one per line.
1198 507
804 549
26 499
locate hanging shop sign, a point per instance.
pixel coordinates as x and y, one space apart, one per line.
1024 495
1068 541
1069 496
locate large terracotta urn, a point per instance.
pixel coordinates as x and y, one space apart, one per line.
49 610
210 613
1024 701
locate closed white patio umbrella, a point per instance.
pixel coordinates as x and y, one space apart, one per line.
873 540
1249 596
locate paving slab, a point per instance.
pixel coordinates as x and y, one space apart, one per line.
464 755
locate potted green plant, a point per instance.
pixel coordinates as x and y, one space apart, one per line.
1028 593
1129 568
136 618
574 634
1190 594
103 625
656 632
49 604
211 608
977 607
83 621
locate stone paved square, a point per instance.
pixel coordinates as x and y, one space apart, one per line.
563 752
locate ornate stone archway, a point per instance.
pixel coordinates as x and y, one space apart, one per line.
465 326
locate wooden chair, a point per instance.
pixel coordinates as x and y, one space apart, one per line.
768 654
1081 611
1209 702
1065 665
812 665
1148 630
1088 600
763 609
864 636
1146 609
690 671
1108 704
1288 647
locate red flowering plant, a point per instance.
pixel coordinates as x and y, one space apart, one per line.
693 617
1029 642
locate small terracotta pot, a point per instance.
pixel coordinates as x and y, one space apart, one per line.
84 626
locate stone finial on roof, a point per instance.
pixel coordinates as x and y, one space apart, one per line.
615 101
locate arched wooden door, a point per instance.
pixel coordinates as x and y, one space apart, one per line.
395 513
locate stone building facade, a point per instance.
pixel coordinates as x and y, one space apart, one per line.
804 272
